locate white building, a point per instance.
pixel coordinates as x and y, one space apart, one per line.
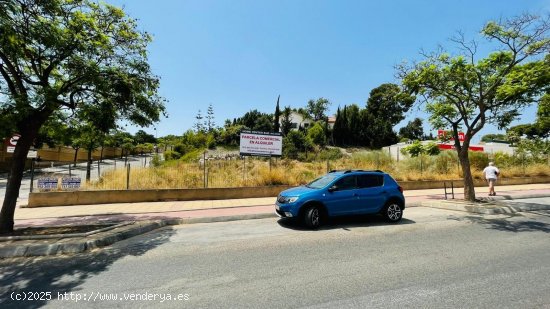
298 121
490 148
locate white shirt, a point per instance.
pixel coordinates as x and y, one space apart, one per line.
491 172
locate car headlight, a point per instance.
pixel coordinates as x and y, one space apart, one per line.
287 199
291 199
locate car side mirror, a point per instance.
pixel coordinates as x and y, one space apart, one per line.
333 188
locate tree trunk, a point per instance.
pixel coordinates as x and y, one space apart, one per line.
101 155
75 156
89 165
14 182
469 190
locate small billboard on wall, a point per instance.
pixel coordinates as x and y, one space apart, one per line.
266 144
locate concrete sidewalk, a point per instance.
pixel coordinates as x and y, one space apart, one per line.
249 208
140 218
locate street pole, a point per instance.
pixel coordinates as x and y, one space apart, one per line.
204 167
32 174
128 177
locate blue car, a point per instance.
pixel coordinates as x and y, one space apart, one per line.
341 193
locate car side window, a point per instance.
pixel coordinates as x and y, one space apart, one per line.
346 183
370 181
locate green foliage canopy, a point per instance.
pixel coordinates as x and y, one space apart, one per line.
465 92
66 55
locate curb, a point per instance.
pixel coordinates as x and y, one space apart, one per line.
37 246
69 245
492 206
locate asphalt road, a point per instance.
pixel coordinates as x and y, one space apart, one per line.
434 258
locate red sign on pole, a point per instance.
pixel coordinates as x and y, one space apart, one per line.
12 142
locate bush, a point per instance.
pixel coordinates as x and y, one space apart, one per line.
445 162
330 154
192 156
171 155
502 159
294 142
317 135
478 160
372 160
431 149
155 161
414 149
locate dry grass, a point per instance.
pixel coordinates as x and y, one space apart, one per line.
257 172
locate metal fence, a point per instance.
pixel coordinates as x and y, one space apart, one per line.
145 172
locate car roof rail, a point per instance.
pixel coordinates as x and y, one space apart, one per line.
355 170
375 171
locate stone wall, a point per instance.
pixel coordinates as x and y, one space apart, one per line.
41 199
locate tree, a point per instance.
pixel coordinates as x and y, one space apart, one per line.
122 139
488 138
317 134
210 123
316 109
413 130
277 116
533 138
417 148
257 121
353 129
64 55
338 128
540 128
341 127
142 137
286 121
294 142
168 141
386 106
465 92
199 125
231 135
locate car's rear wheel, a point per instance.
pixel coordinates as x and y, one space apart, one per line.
312 217
393 212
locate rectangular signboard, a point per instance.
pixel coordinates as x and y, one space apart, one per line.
33 154
442 134
265 144
448 146
47 183
70 183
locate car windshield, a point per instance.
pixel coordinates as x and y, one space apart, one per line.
321 182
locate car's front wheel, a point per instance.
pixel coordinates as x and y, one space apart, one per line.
312 217
393 212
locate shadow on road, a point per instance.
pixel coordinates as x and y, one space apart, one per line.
66 273
344 222
507 225
90 219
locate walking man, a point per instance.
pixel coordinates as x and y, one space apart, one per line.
491 173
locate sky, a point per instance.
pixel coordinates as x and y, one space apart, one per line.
240 55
